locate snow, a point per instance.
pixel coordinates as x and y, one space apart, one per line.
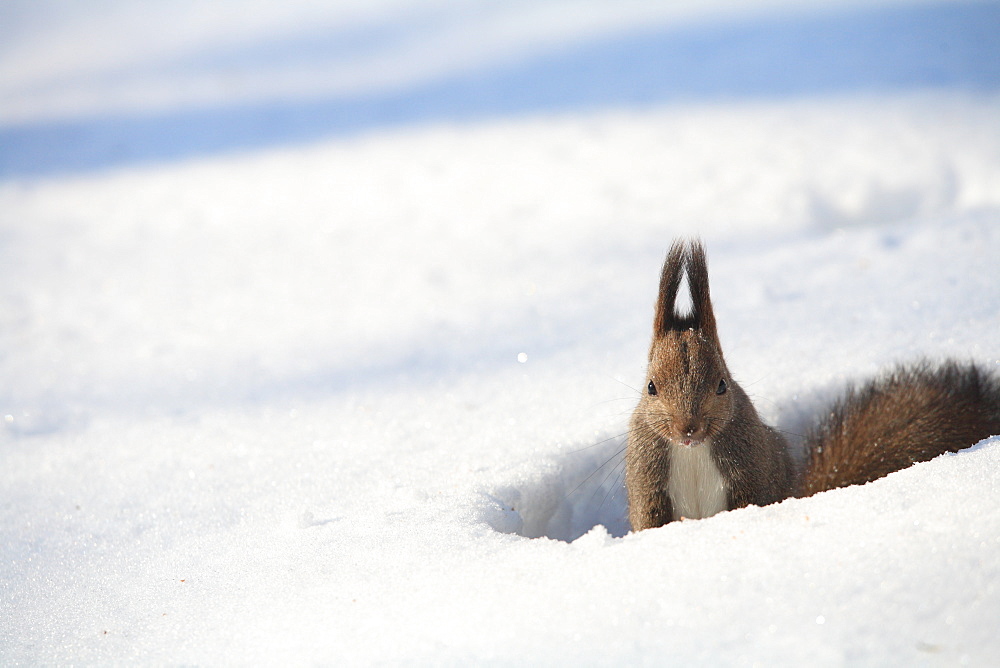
356 393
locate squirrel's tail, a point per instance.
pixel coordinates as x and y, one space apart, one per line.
911 415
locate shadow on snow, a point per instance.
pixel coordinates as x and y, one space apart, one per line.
948 45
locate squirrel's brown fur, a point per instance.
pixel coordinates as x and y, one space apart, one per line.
692 402
693 411
911 415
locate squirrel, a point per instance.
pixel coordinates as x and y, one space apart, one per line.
697 446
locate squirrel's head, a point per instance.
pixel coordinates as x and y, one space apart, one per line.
689 394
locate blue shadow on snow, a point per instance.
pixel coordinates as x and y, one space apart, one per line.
948 45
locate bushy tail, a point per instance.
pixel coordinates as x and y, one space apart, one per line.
911 415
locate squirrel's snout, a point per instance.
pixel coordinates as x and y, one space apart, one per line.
690 434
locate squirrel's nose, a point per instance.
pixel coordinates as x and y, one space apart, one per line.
690 432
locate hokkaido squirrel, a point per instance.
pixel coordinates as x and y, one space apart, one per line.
696 445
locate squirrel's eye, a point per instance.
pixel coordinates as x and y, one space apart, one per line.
722 387
651 389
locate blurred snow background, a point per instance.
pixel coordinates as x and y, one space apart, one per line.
316 320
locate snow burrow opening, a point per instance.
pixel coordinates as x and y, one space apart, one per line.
564 498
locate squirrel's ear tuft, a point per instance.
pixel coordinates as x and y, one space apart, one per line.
701 301
666 318
685 257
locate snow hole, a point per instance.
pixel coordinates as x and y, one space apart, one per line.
565 498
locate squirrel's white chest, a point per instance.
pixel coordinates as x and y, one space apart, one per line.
696 486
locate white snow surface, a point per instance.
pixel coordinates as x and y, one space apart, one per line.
359 398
